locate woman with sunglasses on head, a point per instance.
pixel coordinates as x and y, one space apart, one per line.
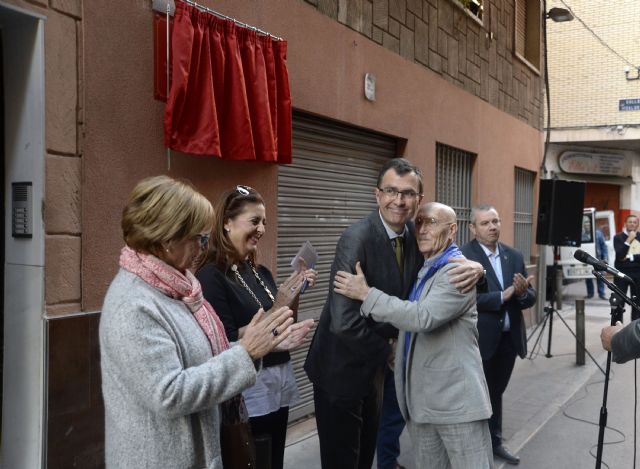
238 288
168 370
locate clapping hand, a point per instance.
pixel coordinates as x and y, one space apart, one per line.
289 290
298 331
265 332
521 284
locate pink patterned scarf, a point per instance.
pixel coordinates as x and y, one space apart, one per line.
174 284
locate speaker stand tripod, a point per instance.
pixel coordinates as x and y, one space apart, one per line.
548 319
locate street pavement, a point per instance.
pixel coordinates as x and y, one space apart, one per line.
551 407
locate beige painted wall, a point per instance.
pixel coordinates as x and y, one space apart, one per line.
587 79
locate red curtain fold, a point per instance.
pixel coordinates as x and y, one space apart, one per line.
229 94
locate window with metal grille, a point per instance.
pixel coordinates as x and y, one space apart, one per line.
527 32
523 215
453 184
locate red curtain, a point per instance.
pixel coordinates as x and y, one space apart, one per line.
229 94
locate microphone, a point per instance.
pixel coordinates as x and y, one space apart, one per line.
598 264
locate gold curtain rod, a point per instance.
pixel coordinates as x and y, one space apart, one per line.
239 23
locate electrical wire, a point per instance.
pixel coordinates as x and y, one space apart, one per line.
547 137
600 40
565 412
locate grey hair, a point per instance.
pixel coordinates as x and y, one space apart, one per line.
480 208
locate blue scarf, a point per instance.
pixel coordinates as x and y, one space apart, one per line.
442 259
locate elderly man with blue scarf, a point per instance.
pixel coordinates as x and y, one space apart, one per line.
440 383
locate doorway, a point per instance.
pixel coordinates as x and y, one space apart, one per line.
22 250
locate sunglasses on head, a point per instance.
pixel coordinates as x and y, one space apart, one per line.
243 190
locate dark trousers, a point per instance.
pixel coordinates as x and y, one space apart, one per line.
600 283
347 428
270 430
391 425
497 372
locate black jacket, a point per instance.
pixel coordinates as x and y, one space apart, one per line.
234 304
631 268
491 311
347 350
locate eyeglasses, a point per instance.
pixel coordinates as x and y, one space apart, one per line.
430 222
243 190
204 240
392 193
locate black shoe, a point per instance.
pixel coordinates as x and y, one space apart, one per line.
504 453
588 297
602 297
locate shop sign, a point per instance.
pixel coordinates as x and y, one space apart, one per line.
599 164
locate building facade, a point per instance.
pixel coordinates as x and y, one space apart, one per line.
595 102
457 91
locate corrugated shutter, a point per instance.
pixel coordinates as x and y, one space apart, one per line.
328 187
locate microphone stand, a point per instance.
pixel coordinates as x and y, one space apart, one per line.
617 300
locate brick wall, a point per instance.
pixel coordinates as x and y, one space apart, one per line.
63 72
443 37
587 79
73 410
63 159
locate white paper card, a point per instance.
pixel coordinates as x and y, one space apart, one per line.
306 252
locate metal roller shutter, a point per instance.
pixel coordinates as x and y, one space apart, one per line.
328 187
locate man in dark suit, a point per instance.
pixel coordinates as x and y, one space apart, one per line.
349 354
501 298
627 247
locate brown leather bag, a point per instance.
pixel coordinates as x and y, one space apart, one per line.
236 440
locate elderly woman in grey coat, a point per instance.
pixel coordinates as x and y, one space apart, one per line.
166 362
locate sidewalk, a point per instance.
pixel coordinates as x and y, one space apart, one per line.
538 389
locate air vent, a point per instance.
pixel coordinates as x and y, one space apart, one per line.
21 210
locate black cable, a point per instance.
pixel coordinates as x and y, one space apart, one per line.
595 424
600 40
